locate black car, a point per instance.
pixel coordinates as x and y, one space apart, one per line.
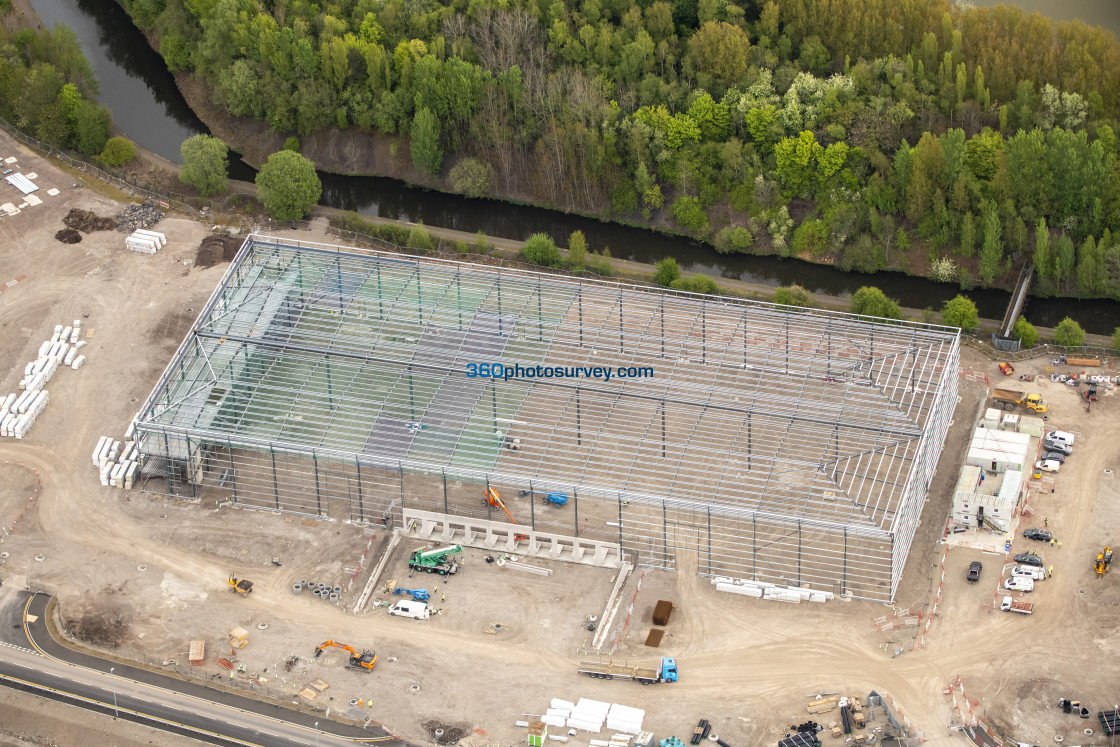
974 569
1057 456
1037 534
1028 558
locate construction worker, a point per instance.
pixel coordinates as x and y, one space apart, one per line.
1051 542
1050 572
443 597
1059 544
1045 522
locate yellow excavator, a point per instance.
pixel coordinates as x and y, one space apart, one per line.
363 661
1103 561
241 586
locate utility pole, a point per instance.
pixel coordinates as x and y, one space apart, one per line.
116 713
316 734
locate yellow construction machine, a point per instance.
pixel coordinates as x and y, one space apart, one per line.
1103 561
241 586
363 661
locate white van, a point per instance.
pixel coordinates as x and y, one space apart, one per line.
1017 583
1063 437
1026 571
411 608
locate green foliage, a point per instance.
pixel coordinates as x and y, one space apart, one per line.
732 239
968 235
292 143
696 284
420 239
206 164
720 50
870 301
1069 333
667 272
960 312
862 255
991 253
118 151
1116 340
1025 332
624 199
793 295
472 177
91 128
541 250
577 252
481 245
804 165
1043 262
691 215
288 186
811 238
424 135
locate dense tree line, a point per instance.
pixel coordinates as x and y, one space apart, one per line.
838 129
46 90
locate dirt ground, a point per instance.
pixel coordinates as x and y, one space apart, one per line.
142 575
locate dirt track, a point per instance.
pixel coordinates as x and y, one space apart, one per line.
745 664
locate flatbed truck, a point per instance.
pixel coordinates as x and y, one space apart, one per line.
1010 398
1011 605
665 671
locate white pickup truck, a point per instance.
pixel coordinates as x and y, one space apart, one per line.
1010 605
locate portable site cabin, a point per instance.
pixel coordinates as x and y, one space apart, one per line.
977 503
999 451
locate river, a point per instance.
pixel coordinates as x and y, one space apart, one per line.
147 106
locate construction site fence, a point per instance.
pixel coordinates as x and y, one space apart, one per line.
1087 351
167 200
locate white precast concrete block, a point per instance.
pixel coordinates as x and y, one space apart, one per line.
559 703
747 591
97 451
553 720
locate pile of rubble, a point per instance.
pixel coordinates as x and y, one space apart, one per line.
68 236
217 248
88 221
138 216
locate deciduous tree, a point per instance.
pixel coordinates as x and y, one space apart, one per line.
205 164
288 186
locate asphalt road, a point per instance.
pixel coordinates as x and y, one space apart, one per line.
30 657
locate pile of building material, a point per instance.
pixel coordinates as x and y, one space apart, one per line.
625 719
147 242
19 412
764 590
117 467
590 715
138 216
822 705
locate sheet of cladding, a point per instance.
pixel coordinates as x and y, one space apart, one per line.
45 348
160 239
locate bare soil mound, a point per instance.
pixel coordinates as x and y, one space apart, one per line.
217 248
88 221
68 236
100 627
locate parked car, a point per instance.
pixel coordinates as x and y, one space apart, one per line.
1029 558
1064 437
1057 446
1047 465
974 569
1027 571
1041 535
1018 583
1057 456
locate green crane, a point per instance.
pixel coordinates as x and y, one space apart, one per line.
435 561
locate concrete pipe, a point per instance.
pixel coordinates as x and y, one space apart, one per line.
353 701
334 598
337 589
315 592
438 734
303 583
297 589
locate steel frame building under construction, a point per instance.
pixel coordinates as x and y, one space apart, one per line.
771 443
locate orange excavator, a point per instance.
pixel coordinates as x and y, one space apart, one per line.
363 661
493 499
